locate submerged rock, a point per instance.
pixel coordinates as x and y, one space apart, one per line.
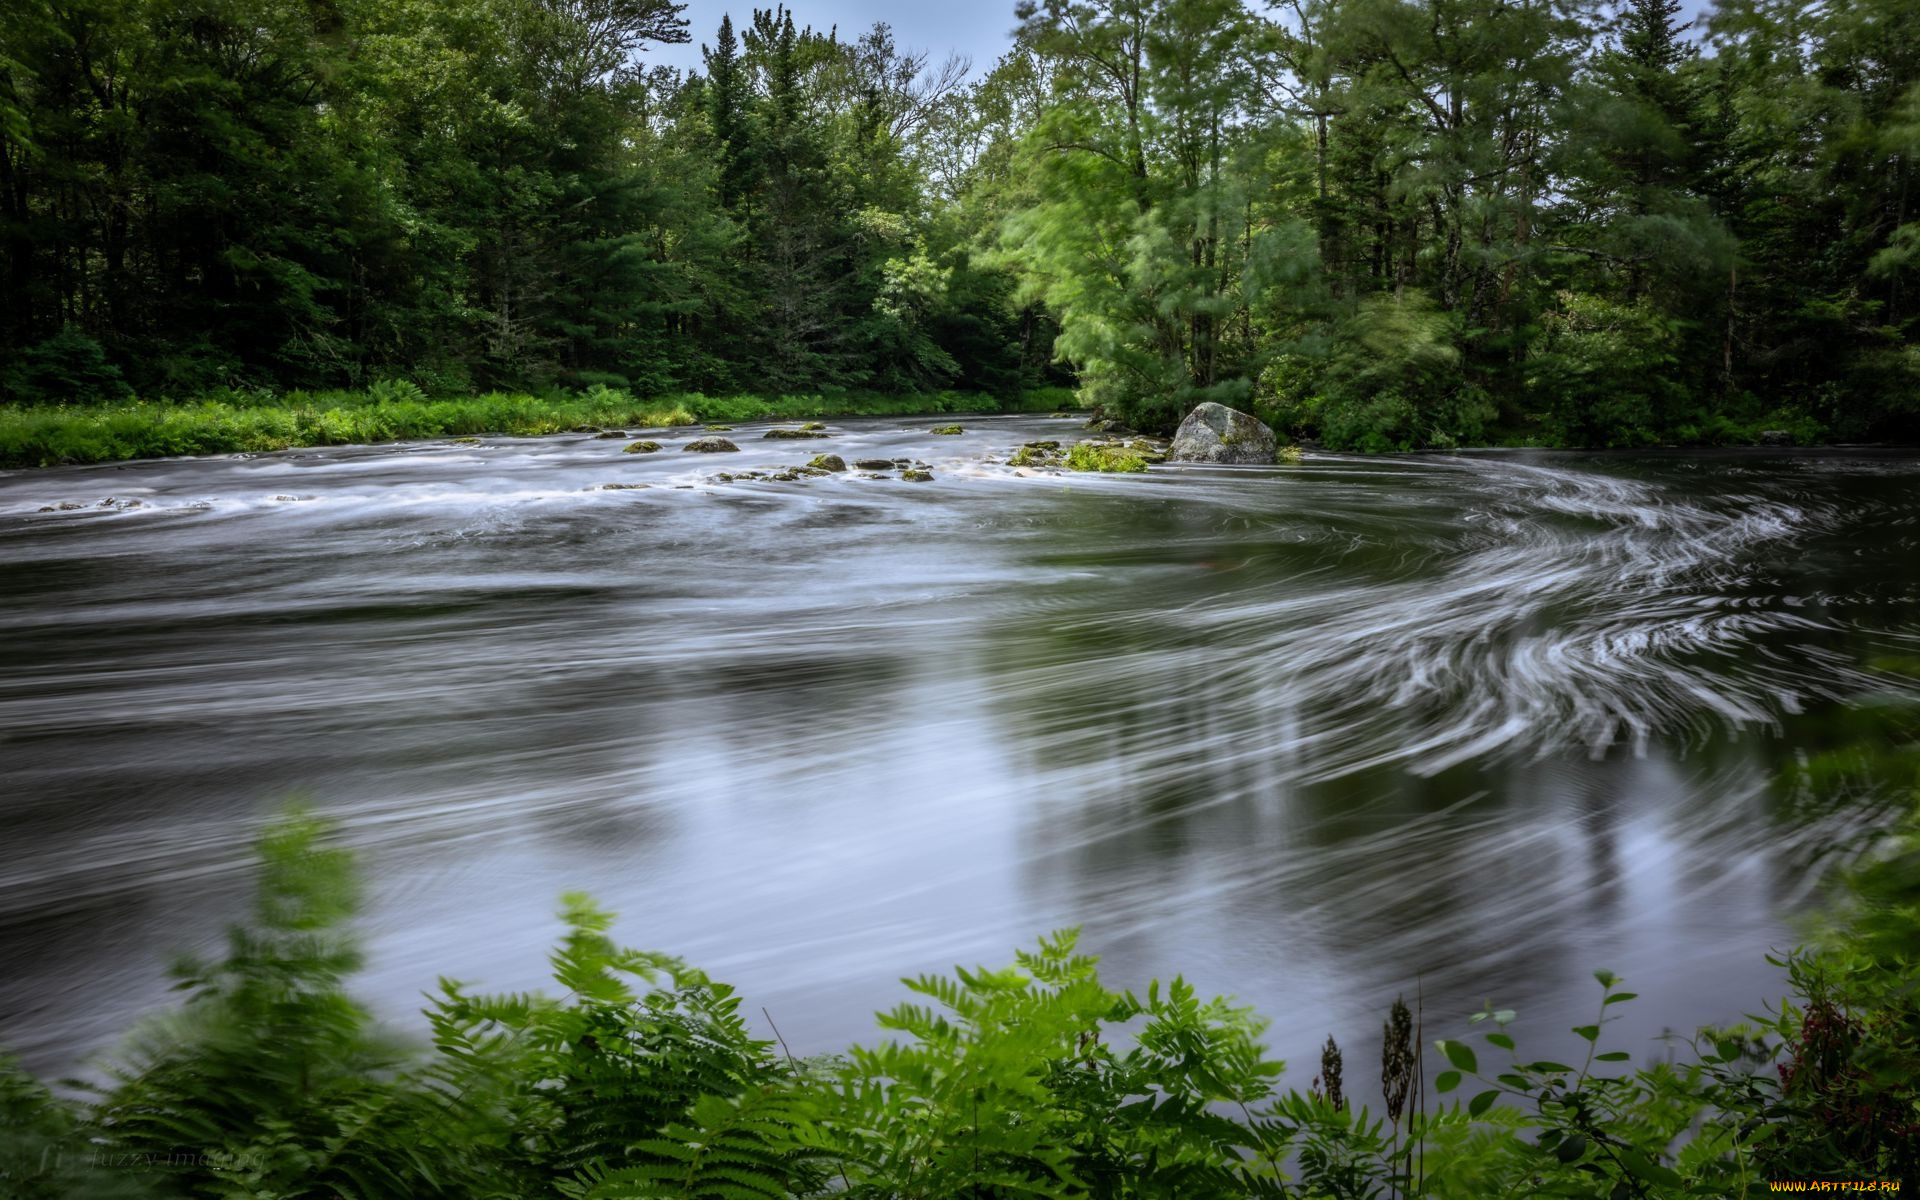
873 464
917 475
947 430
1214 433
623 487
795 433
828 462
710 445
647 447
611 433
719 429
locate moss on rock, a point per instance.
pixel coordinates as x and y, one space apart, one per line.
1108 459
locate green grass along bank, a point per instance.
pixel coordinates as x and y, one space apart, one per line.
244 421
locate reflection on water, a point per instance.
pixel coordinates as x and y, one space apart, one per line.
1312 735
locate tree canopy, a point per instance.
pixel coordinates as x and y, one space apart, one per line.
1388 224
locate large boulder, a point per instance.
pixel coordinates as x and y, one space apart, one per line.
1214 433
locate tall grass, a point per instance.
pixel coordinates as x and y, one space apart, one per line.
244 421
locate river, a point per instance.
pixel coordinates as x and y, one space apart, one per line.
1466 727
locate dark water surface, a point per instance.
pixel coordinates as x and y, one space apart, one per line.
1312 735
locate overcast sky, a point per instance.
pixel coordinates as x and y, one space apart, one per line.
980 29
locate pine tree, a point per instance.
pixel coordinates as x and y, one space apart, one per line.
729 113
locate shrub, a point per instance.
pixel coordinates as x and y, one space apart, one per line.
1389 377
66 367
1602 373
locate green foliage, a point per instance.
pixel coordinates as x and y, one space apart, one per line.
252 421
1560 224
644 1080
1014 1083
47 1149
1602 373
1091 456
69 366
1390 379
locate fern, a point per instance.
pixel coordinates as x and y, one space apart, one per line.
745 1148
642 1080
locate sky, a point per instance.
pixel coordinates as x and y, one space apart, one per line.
980 29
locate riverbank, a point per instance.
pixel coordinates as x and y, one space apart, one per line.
237 422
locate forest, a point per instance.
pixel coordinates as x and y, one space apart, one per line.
1382 224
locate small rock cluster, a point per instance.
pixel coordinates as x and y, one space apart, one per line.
109 502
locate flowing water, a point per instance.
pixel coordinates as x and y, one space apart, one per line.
1313 735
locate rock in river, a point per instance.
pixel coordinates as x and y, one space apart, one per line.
1214 433
828 462
710 445
873 464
